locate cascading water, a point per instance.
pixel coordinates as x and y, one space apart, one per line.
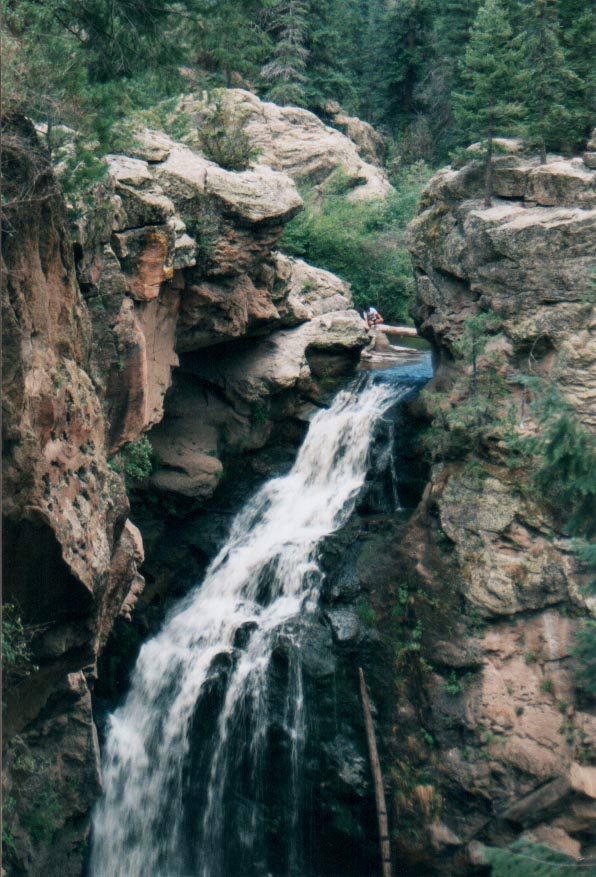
191 752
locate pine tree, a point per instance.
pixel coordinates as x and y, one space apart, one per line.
578 35
489 104
404 33
328 47
285 74
451 30
229 38
548 77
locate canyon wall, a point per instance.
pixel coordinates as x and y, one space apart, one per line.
171 267
508 746
70 551
167 311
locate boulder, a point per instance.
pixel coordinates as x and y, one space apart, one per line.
531 265
566 183
590 154
367 139
307 289
255 196
214 312
490 528
280 362
297 142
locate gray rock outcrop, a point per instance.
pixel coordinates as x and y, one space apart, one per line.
184 261
505 712
297 142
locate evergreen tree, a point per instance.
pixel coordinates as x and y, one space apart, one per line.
578 34
285 74
230 38
548 77
404 35
488 105
451 29
328 47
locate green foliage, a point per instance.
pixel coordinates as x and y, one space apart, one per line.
229 39
489 103
401 65
137 457
526 859
8 809
548 79
471 413
223 139
136 461
16 653
45 815
489 69
366 613
285 73
453 686
565 454
362 242
204 224
80 70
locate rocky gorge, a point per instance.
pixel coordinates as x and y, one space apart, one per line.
168 311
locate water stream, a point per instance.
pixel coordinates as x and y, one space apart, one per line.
190 754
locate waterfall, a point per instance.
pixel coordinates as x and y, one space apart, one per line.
189 753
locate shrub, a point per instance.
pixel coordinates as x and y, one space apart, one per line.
366 613
16 655
135 461
471 413
453 685
526 859
362 242
223 139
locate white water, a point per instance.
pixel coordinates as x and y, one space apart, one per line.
158 816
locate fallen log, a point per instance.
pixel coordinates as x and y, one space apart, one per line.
375 765
409 331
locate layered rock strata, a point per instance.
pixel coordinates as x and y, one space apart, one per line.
498 587
70 554
297 142
183 261
175 260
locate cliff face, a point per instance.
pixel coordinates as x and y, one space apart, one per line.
497 588
174 268
183 261
70 553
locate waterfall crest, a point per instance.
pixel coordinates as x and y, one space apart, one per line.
188 753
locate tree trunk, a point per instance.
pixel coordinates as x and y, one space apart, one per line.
542 127
377 780
488 179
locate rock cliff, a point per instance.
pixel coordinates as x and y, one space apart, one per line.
510 739
70 553
174 268
184 260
